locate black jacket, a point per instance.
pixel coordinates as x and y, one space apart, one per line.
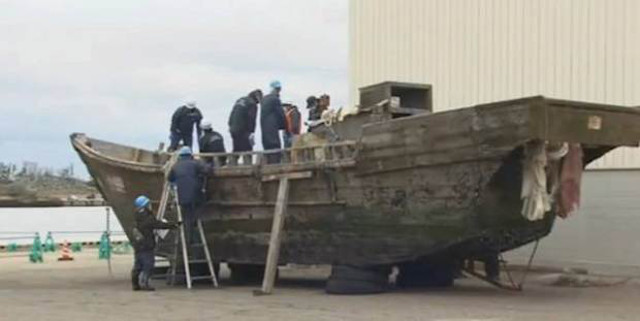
243 116
212 142
188 174
271 120
183 120
145 224
314 113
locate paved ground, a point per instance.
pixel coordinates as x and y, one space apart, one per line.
83 290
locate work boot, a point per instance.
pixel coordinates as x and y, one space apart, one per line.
144 283
135 279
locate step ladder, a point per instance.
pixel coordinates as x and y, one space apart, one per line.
181 249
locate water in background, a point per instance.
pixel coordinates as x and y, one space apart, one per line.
74 224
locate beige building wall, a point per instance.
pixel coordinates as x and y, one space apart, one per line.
477 51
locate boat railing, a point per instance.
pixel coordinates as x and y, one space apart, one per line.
339 153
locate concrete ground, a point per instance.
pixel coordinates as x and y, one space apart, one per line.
83 290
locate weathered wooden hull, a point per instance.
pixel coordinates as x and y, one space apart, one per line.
446 183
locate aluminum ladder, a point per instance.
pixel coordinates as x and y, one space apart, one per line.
181 246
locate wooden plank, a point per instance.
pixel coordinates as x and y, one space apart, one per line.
406 110
275 240
295 175
136 155
598 126
271 204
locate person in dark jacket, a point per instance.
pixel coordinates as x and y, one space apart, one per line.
182 122
188 176
272 120
312 106
242 121
293 124
211 142
145 243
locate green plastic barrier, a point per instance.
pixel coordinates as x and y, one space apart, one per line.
35 255
49 244
76 247
123 248
13 247
104 251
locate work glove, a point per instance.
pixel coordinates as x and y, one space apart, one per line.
252 139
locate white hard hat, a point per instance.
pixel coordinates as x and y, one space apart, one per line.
206 124
191 103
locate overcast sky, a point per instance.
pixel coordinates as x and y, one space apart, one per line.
117 69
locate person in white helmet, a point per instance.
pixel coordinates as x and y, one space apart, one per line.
211 142
182 123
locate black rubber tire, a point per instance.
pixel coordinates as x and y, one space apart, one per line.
341 286
426 275
347 279
368 274
246 273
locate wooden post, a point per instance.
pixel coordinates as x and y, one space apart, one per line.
274 243
275 239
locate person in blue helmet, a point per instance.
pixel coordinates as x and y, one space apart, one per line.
144 243
188 176
272 120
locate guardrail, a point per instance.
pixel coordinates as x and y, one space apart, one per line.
321 154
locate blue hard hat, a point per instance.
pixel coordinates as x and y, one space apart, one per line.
141 201
275 84
185 151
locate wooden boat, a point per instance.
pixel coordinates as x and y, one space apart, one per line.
400 184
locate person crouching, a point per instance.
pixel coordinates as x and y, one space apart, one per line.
144 243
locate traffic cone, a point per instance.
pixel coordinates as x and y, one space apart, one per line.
65 253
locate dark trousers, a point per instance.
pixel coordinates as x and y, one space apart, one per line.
272 145
190 221
241 142
143 264
287 139
187 140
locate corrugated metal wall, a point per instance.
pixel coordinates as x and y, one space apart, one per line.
476 51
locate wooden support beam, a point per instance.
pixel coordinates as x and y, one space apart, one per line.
282 202
295 175
273 254
272 204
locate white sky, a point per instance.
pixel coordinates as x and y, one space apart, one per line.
117 69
